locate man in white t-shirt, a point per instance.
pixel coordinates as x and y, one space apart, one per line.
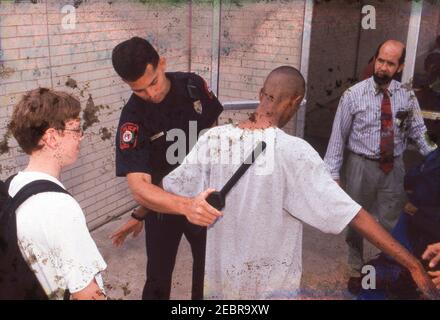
51 228
254 250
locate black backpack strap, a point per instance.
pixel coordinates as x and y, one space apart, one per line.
4 188
17 274
33 188
8 180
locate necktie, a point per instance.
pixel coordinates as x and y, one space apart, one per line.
386 161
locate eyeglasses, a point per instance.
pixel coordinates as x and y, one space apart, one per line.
78 131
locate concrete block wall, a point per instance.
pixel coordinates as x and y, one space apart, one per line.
201 38
234 116
255 38
36 51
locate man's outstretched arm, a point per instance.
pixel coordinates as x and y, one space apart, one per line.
365 224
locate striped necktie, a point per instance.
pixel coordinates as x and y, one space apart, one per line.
386 161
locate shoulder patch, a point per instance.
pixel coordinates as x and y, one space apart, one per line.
128 135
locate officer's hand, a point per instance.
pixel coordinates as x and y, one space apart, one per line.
432 253
132 226
425 284
200 212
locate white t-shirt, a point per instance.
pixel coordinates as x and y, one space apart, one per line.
54 239
254 250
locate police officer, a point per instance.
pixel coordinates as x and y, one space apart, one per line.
160 103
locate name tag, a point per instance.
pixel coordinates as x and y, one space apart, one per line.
156 136
198 107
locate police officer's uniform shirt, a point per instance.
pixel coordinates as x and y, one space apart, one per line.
141 144
254 250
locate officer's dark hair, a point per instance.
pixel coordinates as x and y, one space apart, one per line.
39 110
402 56
131 57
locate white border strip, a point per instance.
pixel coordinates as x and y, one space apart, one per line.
412 40
305 54
247 104
215 56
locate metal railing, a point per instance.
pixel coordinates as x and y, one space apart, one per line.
240 105
247 104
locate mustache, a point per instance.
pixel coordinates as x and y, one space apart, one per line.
381 80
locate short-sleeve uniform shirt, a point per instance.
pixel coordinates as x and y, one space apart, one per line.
142 144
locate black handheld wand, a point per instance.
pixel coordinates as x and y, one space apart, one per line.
217 198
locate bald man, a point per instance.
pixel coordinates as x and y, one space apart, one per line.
373 122
254 250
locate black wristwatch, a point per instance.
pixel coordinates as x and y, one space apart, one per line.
136 217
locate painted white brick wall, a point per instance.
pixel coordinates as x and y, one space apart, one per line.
37 51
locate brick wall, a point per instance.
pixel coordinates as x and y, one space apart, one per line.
201 38
37 51
234 116
255 38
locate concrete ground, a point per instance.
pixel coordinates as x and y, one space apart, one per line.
325 270
126 265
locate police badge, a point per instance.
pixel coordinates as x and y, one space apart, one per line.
198 106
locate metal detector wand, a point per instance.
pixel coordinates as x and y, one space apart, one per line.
217 198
